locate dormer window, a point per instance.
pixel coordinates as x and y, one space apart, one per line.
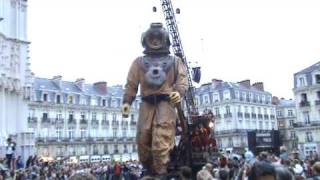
317 77
58 99
45 97
70 100
301 82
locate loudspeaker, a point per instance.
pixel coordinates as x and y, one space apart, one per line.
252 142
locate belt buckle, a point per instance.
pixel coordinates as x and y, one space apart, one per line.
154 99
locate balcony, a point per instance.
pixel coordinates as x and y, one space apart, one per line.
266 116
233 131
59 121
45 120
32 120
227 115
83 121
94 123
309 139
133 122
304 104
115 123
72 121
317 102
247 115
105 123
253 115
240 114
307 124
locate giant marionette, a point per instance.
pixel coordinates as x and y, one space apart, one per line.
163 82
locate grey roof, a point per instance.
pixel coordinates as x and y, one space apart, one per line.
227 85
71 87
310 68
286 103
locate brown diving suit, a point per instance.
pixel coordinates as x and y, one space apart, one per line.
157 122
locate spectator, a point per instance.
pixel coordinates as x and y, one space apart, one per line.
262 170
10 149
316 171
19 163
117 171
82 176
283 173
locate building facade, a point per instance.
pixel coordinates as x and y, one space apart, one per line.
307 95
238 108
15 77
287 118
78 119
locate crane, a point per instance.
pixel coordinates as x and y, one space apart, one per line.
197 143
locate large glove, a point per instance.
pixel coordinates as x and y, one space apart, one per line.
174 97
125 110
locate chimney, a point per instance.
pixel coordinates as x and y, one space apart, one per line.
80 83
275 100
245 83
259 86
101 86
216 82
57 80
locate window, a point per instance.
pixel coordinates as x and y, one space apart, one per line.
260 125
132 117
95 149
259 110
253 109
228 110
70 100
44 116
94 115
290 113
226 95
304 97
279 113
206 99
105 149
124 133
59 133
301 81
239 108
83 100
265 110
306 117
292 134
114 116
58 99
115 132
309 137
273 125
215 97
83 132
246 109
317 77
59 115
104 116
93 132
71 132
236 94
103 102
45 97
217 111
83 115
70 115
291 121
267 125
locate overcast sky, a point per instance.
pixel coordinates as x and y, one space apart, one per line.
231 40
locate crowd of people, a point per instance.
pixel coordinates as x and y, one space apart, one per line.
264 166
36 168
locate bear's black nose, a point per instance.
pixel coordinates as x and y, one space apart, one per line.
155 71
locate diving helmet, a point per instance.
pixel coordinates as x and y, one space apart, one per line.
156 40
